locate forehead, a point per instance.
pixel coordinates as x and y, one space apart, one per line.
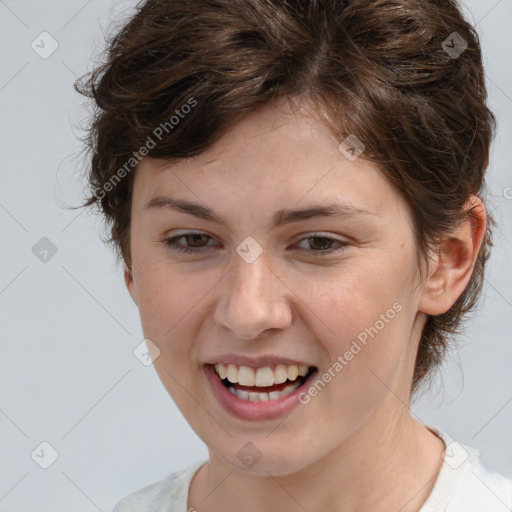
277 156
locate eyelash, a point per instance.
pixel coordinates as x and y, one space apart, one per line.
171 242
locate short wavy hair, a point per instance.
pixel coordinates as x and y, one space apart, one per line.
403 76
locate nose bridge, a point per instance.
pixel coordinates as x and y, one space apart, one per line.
253 300
252 281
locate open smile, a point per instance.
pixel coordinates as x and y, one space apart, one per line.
258 393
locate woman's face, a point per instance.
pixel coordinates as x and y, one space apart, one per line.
268 289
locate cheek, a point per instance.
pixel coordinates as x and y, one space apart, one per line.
354 297
168 305
360 316
361 322
171 307
163 297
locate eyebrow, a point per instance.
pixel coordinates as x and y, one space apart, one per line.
280 218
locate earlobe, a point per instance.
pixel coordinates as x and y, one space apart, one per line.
128 279
454 261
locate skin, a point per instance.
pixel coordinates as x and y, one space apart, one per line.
355 446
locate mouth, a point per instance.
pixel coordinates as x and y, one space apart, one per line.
262 393
262 384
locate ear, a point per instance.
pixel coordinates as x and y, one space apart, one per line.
455 261
128 279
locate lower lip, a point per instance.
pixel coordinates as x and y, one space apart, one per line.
246 410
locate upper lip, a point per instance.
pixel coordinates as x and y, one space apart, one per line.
256 362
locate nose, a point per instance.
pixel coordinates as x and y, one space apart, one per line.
254 300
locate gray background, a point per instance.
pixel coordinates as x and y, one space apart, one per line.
68 375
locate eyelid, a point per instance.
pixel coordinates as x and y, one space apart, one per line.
298 238
342 243
319 234
171 242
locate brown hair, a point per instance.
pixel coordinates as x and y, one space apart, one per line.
381 70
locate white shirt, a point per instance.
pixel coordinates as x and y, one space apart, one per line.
462 485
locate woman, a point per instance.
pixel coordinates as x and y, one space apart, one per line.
295 190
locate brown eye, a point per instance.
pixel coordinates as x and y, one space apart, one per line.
195 242
323 245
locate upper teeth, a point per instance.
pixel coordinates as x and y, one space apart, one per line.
263 377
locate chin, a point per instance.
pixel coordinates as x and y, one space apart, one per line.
252 461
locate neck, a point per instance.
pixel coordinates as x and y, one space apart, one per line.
385 465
